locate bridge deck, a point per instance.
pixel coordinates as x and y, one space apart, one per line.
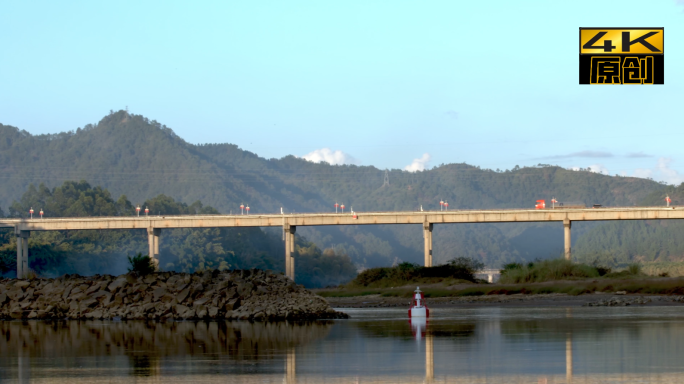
363 218
154 224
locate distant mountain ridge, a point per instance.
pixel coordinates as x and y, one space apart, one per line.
129 154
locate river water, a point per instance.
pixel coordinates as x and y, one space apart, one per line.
483 345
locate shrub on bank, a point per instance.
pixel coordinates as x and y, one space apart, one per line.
460 268
560 269
141 264
546 270
631 271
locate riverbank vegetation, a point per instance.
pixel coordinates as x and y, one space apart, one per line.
540 277
560 269
457 270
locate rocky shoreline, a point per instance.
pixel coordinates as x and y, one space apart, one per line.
232 295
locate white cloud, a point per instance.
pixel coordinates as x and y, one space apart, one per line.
661 172
596 168
418 164
329 156
599 168
643 173
666 173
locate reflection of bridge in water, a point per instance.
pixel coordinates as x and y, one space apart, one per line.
421 332
147 347
470 346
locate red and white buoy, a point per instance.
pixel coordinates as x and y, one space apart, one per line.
137 210
247 208
342 206
147 211
418 308
41 213
446 206
242 209
336 205
31 212
441 205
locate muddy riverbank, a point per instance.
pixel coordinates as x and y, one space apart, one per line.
519 300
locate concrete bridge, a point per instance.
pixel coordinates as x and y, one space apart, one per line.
155 224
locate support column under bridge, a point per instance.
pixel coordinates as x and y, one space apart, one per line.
566 229
427 237
153 244
289 231
22 253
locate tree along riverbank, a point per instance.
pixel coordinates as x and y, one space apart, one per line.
233 295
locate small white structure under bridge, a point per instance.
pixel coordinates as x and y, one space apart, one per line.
492 274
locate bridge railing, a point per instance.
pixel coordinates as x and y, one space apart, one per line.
277 214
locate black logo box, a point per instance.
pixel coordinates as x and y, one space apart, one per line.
658 67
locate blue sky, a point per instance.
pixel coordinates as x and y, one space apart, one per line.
384 83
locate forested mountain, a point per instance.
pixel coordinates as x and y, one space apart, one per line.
127 154
130 155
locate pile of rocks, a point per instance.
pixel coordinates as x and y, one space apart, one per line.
618 302
233 295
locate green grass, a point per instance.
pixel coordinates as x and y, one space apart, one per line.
547 270
643 285
664 268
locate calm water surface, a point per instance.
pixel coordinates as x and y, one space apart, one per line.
492 345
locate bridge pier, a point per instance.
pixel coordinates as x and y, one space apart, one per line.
153 244
566 226
427 237
289 250
22 253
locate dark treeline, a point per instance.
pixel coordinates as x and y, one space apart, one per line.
182 250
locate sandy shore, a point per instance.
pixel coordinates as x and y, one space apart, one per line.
519 300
